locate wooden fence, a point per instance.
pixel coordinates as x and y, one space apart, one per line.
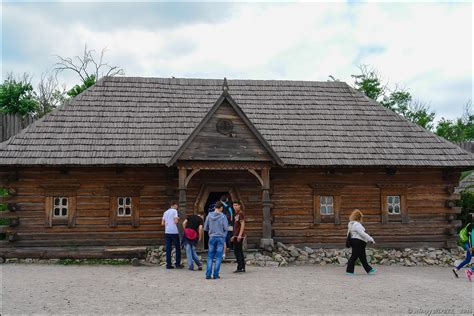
11 124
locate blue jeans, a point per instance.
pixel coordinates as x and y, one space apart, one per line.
172 239
468 257
192 256
216 249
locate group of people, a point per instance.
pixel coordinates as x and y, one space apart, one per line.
225 225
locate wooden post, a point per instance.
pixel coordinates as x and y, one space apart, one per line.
267 241
182 198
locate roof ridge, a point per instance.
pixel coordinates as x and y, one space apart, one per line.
220 80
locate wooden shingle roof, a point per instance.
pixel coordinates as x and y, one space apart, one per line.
136 121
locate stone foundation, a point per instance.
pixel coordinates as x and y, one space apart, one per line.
284 255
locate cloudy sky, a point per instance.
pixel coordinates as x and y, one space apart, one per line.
425 47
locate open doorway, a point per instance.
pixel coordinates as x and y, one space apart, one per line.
210 202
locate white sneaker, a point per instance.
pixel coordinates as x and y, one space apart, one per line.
223 257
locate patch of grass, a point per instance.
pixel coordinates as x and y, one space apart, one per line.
95 261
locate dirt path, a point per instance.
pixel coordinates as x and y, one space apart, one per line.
298 289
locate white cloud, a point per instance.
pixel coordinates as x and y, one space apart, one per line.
425 47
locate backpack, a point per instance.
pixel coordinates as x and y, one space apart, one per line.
463 235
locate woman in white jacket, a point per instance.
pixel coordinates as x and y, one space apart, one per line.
359 240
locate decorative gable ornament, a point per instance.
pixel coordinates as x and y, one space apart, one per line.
224 126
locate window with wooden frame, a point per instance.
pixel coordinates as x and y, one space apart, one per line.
60 204
393 203
124 205
326 203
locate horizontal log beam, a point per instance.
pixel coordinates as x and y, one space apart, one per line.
74 253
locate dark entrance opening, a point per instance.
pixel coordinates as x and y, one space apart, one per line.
211 200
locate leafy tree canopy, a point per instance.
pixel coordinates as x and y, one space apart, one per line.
17 96
77 89
398 100
460 129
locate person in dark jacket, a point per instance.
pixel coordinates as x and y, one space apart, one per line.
229 213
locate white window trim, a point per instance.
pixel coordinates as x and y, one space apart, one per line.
325 205
60 206
124 206
393 204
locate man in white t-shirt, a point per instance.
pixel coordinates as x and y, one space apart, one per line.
170 220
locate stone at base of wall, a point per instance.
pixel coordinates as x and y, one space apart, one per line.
267 244
284 255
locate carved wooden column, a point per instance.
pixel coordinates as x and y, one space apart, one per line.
267 241
184 179
182 198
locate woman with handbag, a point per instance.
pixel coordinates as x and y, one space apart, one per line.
358 239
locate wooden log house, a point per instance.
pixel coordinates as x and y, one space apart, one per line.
99 171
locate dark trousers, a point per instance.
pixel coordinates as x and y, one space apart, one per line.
358 251
239 253
170 240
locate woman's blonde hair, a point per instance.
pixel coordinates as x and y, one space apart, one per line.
356 215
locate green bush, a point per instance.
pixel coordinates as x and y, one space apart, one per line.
3 192
467 204
4 221
3 208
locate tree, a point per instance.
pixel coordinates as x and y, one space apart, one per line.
77 89
399 100
466 202
17 96
460 129
369 83
421 114
49 95
89 67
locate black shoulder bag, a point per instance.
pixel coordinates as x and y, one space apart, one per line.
348 239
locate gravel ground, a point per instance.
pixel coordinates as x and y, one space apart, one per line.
101 289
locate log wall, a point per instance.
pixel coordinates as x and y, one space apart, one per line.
429 211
